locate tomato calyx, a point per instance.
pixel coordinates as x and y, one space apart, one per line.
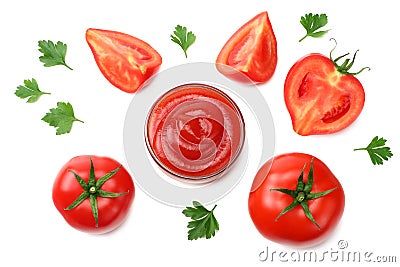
347 64
92 190
303 194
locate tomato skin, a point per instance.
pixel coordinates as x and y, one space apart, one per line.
124 60
252 50
112 211
320 100
294 228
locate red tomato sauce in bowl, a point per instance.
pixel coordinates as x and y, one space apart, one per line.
195 132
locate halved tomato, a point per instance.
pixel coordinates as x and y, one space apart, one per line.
125 61
252 49
321 96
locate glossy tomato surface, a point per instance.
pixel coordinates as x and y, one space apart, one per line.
111 211
321 100
294 228
252 50
125 61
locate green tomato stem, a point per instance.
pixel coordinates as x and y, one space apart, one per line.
303 194
92 190
347 64
300 197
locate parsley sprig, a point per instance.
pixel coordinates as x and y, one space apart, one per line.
61 118
53 54
183 38
377 150
312 23
203 224
30 90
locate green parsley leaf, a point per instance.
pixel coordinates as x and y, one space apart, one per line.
313 22
203 224
183 38
53 54
29 90
377 150
61 118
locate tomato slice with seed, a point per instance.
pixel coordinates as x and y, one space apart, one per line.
321 100
125 61
252 50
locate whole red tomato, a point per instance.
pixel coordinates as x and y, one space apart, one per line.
124 60
93 193
252 50
322 96
296 200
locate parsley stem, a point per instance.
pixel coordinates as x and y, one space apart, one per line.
214 207
305 36
65 64
363 148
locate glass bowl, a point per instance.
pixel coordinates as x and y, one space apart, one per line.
194 132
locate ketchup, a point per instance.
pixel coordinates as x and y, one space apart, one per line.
195 131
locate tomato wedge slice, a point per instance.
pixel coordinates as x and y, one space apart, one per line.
252 49
125 61
320 99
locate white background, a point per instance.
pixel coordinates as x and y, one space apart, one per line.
33 233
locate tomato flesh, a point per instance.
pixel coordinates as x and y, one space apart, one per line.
321 100
252 49
294 228
125 61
